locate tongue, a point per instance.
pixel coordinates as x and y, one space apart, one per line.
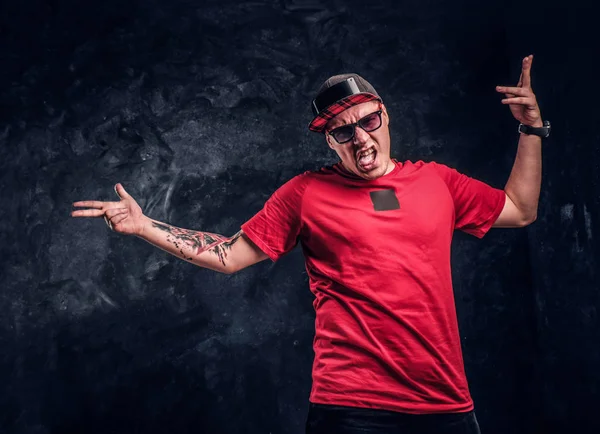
363 161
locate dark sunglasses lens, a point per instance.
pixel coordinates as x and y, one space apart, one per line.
371 122
343 134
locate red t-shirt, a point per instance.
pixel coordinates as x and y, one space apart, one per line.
386 333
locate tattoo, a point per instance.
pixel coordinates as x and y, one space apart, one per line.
199 241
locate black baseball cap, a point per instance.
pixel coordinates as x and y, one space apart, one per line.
337 94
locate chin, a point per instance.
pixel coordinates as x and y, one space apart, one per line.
374 173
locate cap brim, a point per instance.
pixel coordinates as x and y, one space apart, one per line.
318 123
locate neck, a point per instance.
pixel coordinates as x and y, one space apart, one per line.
390 167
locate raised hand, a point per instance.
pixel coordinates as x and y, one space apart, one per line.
125 217
521 99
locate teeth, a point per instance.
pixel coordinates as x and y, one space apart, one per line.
367 157
369 152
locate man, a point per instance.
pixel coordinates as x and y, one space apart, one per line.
376 236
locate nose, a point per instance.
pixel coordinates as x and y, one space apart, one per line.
360 136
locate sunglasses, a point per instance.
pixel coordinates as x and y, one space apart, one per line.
345 133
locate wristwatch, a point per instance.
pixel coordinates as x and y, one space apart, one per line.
543 132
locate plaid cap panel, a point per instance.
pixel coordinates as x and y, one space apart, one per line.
318 124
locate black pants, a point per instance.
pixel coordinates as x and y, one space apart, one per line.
333 419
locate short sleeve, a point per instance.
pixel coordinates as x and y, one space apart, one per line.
276 227
477 205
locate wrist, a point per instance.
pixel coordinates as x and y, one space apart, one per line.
537 124
143 227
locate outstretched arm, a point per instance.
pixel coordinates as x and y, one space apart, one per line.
205 249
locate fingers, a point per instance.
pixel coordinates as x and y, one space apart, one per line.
99 208
518 100
526 71
87 213
517 95
529 102
121 192
108 223
110 213
524 78
516 91
113 217
90 204
119 218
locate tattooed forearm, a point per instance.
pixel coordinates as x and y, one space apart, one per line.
221 249
199 241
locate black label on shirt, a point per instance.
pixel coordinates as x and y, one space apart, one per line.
384 200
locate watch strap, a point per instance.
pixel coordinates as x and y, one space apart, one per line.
542 132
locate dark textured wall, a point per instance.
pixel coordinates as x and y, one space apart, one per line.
200 109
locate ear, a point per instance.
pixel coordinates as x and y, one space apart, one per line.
386 116
329 141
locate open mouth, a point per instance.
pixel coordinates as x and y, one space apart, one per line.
366 160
